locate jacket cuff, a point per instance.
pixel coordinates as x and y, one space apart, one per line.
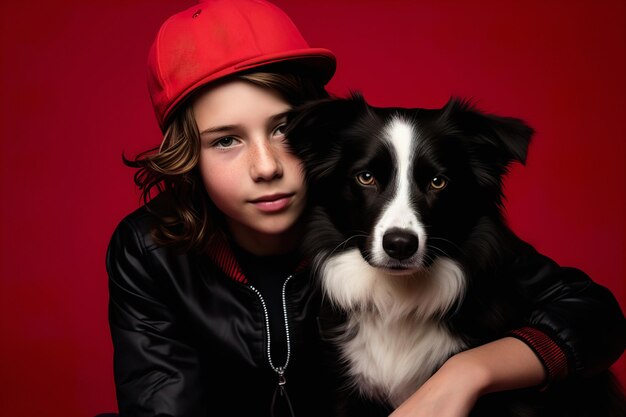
550 354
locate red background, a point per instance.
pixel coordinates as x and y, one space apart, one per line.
73 97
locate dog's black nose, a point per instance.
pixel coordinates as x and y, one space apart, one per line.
400 243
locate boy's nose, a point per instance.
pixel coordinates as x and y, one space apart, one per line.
265 164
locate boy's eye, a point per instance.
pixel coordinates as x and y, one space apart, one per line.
366 178
224 142
280 129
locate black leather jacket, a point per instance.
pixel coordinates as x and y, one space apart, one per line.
189 334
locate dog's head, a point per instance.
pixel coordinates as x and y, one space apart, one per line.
404 185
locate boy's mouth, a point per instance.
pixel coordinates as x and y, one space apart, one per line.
273 202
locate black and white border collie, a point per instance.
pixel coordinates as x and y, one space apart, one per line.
410 244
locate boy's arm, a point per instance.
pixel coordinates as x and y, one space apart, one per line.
156 372
574 325
453 390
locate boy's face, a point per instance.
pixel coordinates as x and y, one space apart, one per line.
246 167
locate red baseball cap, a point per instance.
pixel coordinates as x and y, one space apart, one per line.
218 38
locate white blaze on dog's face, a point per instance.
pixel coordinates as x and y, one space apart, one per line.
403 186
399 238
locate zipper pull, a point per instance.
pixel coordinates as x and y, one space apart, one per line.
280 399
281 376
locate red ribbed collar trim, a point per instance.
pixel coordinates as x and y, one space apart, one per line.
222 255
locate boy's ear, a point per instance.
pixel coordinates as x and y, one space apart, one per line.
314 129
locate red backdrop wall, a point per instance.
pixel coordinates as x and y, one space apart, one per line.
73 98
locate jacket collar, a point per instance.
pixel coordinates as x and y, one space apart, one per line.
221 253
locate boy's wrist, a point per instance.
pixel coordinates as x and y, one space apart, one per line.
468 375
501 365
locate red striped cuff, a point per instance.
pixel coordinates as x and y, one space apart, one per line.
550 354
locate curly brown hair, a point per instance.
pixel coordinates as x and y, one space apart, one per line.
172 167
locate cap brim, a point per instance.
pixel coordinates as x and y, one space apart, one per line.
320 61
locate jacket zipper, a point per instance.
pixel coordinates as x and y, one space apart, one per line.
280 370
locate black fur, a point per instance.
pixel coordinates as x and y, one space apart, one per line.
338 138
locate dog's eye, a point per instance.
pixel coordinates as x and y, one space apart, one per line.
438 183
366 178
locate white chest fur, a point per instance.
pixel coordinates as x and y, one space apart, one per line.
394 338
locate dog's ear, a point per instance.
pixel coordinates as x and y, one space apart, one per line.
315 128
492 142
506 138
315 133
